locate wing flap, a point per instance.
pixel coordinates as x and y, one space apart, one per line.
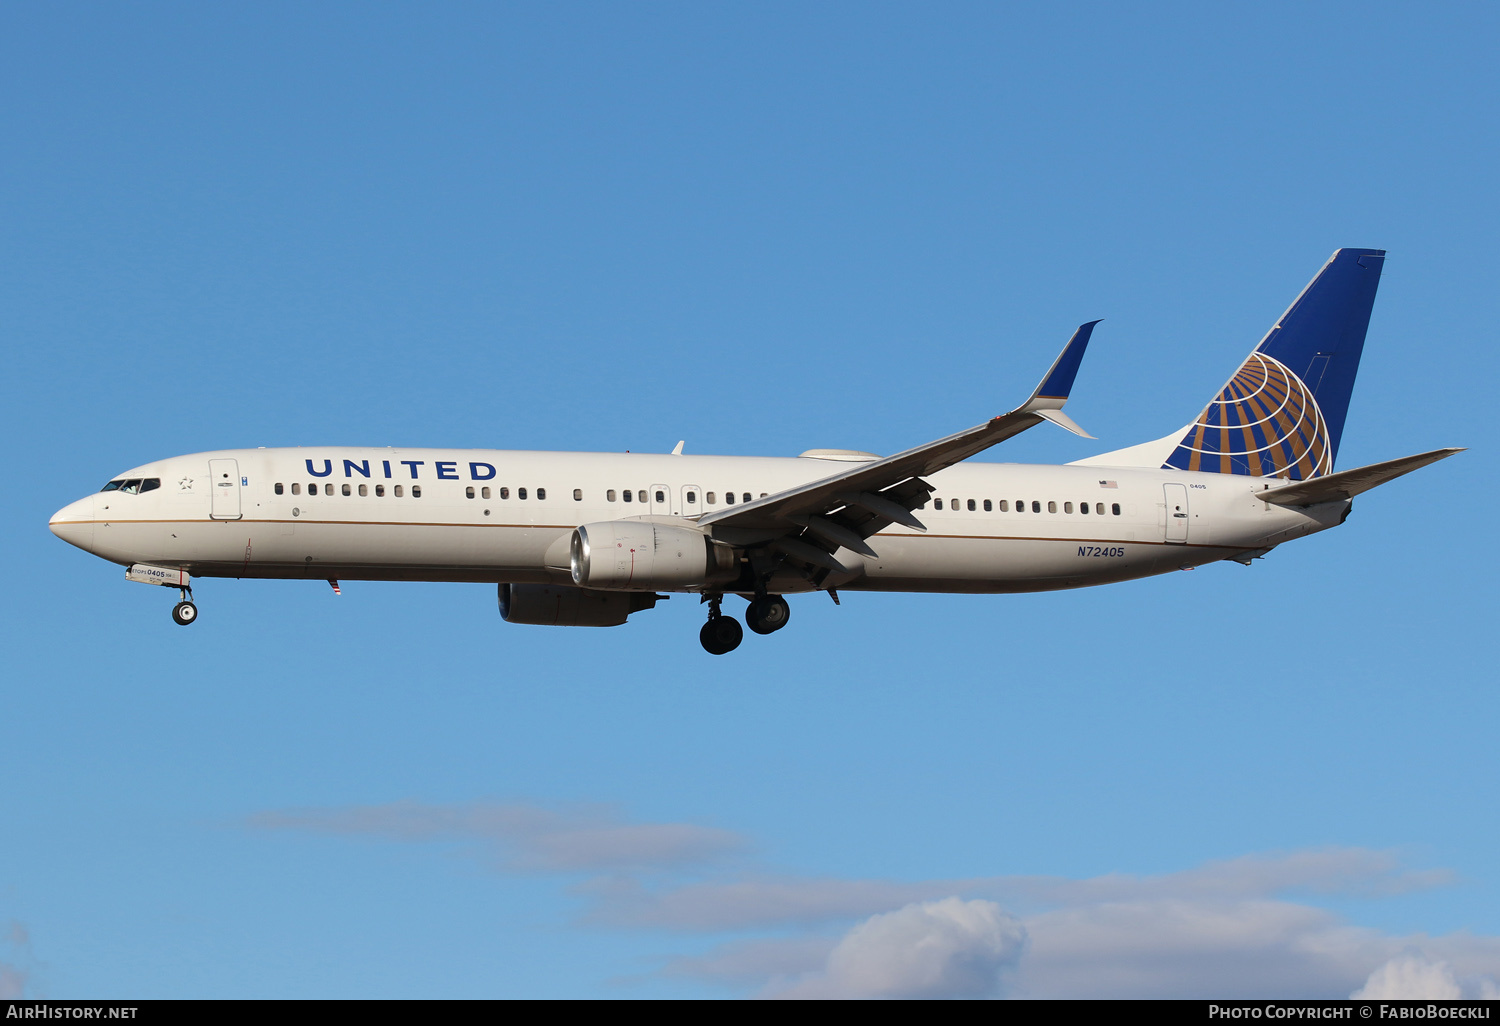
820 497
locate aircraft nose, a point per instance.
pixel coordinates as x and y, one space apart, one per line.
74 523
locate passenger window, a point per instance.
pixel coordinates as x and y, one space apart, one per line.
416 491
660 497
1115 509
971 505
364 489
629 495
1004 505
1067 507
484 492
577 494
762 495
937 504
379 491
1036 507
1051 507
692 497
328 488
709 498
347 490
1083 507
504 493
399 491
469 492
296 488
152 483
987 506
278 487
1099 508
953 505
609 496
541 493
641 495
520 493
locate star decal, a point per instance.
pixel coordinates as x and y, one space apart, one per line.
185 485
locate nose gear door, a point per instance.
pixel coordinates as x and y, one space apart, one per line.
224 489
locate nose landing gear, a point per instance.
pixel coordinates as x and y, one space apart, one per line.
185 612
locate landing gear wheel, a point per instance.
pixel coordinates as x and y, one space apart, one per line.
768 615
184 613
721 634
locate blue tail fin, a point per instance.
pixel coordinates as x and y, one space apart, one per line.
1282 414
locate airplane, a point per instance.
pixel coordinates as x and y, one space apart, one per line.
588 539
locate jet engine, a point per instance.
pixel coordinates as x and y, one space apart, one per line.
560 606
639 555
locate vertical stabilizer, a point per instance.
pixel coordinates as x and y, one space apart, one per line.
1282 414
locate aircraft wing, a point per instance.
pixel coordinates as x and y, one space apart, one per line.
1348 483
812 520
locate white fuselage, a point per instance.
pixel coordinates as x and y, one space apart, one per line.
407 514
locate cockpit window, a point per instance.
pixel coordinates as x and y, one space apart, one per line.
150 484
112 486
132 486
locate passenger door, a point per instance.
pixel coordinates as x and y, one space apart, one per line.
1177 513
224 489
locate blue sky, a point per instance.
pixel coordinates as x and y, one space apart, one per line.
761 230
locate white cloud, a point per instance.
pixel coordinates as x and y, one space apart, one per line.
1240 927
1411 977
753 902
524 837
775 964
13 978
937 949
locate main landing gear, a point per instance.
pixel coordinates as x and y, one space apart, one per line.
723 634
184 612
767 614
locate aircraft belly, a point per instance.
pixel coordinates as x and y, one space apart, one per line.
947 564
358 551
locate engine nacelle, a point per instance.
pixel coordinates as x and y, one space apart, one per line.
550 605
638 555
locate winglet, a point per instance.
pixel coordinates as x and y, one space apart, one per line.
1054 389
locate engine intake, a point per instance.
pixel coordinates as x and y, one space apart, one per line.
551 605
639 555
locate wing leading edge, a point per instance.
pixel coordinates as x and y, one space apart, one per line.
812 521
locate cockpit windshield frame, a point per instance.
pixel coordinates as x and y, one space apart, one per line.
133 485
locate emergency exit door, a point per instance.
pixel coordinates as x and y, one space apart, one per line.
224 489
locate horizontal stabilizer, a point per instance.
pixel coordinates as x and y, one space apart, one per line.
1348 483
